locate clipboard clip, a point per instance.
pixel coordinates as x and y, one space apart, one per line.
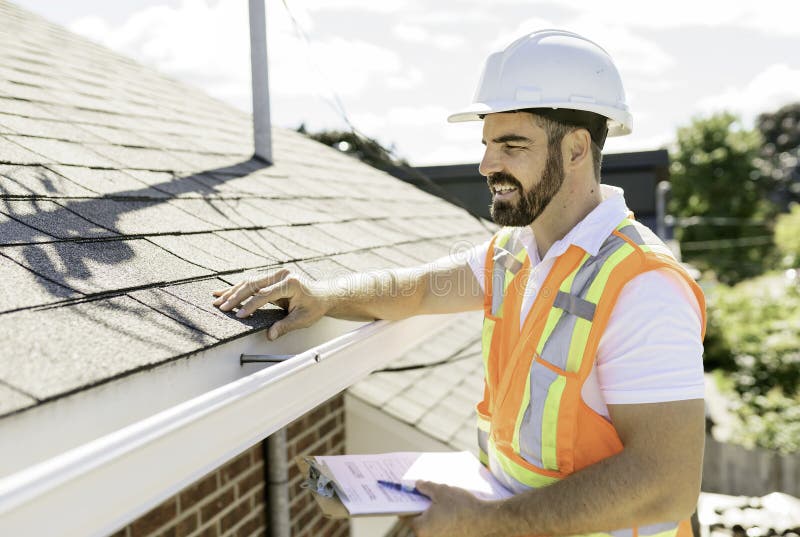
317 481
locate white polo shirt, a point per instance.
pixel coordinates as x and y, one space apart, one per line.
652 349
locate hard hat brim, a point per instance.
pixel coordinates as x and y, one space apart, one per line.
620 121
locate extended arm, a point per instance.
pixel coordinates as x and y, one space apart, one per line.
441 287
656 478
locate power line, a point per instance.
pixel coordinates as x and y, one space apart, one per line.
428 365
726 243
338 106
686 221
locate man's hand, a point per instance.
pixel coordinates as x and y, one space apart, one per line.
453 512
305 306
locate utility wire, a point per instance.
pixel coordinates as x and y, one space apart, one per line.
428 365
338 106
726 243
686 221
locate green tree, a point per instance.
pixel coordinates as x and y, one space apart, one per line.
715 180
787 236
363 148
754 336
780 154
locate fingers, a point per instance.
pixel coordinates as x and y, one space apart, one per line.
270 294
296 319
233 296
428 489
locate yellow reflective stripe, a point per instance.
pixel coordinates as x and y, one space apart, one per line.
566 285
552 320
577 345
483 457
526 397
599 283
507 281
626 222
483 424
502 237
486 339
523 475
550 423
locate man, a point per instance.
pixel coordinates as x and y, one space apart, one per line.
593 404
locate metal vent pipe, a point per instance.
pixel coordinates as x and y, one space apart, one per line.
258 65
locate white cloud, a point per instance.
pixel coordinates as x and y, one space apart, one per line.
416 116
375 6
409 78
634 142
417 34
632 53
773 87
769 16
206 44
411 33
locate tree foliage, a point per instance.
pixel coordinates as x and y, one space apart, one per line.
714 177
364 149
787 236
779 158
753 334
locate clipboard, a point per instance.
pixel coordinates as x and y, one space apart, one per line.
347 486
331 506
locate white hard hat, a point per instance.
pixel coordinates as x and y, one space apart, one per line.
551 69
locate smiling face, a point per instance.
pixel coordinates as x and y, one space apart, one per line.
522 171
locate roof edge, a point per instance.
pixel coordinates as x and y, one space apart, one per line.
58 486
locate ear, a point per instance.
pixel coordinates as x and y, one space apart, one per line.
577 148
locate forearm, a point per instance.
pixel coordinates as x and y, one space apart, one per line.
386 294
619 492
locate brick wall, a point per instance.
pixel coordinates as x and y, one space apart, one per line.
229 501
320 432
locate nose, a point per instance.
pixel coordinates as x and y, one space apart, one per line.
489 163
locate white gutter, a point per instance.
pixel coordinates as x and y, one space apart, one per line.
124 474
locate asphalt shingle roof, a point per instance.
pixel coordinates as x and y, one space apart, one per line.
439 400
127 197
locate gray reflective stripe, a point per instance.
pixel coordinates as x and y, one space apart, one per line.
644 236
556 348
588 272
504 259
507 260
632 233
622 533
483 440
530 435
498 281
514 245
508 481
640 234
575 305
654 529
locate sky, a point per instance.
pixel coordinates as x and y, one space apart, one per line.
399 67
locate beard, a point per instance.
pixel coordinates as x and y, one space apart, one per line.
530 204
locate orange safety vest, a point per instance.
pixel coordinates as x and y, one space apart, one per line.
533 426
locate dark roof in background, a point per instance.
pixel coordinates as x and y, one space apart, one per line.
638 173
434 388
127 197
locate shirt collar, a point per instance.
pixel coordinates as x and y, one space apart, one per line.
591 232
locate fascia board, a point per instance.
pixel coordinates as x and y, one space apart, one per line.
94 489
51 428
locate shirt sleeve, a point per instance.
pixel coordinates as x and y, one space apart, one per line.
652 349
476 257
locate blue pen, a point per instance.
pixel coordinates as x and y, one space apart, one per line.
399 486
